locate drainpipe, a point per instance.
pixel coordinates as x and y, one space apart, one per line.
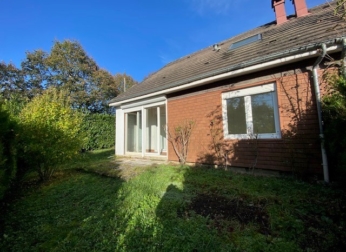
319 112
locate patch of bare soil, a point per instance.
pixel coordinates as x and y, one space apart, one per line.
219 208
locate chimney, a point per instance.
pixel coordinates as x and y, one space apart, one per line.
300 7
280 12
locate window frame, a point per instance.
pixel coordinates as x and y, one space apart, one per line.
246 93
246 41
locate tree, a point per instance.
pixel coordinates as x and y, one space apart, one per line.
66 67
50 132
8 130
11 81
71 70
36 72
123 82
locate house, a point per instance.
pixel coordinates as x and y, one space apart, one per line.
253 98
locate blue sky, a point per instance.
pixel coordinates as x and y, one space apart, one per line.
137 37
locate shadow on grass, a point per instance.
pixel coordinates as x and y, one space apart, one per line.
217 210
93 156
171 208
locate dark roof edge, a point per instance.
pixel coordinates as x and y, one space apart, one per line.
258 60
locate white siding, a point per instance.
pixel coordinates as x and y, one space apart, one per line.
120 132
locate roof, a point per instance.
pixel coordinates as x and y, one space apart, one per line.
320 26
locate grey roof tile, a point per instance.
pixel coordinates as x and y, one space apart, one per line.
319 26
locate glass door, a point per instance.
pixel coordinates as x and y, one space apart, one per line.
163 140
156 141
152 128
134 131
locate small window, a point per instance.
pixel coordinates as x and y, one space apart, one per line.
251 112
246 41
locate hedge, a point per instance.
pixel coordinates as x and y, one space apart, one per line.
100 131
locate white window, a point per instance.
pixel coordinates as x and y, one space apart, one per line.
251 112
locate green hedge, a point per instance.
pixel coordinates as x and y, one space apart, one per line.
8 165
100 131
334 119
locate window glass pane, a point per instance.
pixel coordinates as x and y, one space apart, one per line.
134 132
131 131
263 113
236 116
151 144
139 115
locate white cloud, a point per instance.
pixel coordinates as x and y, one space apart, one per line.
165 59
215 6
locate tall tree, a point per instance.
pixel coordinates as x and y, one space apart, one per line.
11 81
72 70
123 82
67 67
36 72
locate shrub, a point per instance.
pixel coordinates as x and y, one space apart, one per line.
8 129
180 139
100 130
50 132
334 116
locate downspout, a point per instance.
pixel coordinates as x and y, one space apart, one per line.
319 112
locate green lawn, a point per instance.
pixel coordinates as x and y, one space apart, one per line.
172 208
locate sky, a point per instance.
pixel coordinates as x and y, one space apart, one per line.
136 37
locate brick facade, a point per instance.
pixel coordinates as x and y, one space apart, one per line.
299 147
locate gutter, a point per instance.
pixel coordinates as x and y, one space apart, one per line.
319 112
273 60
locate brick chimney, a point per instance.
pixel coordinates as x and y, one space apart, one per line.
280 12
300 7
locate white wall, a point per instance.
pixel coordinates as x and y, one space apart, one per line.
142 106
120 132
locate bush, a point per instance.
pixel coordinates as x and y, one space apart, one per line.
100 130
8 129
334 116
50 132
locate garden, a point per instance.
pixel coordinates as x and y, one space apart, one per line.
62 188
93 205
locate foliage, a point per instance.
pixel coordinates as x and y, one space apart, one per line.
14 104
339 9
11 80
334 117
100 130
68 67
8 164
180 139
83 211
123 82
50 134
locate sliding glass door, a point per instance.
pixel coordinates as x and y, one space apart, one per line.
134 131
155 130
145 131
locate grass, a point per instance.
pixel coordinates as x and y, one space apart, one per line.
89 206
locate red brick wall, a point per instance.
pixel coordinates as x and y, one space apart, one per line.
298 149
